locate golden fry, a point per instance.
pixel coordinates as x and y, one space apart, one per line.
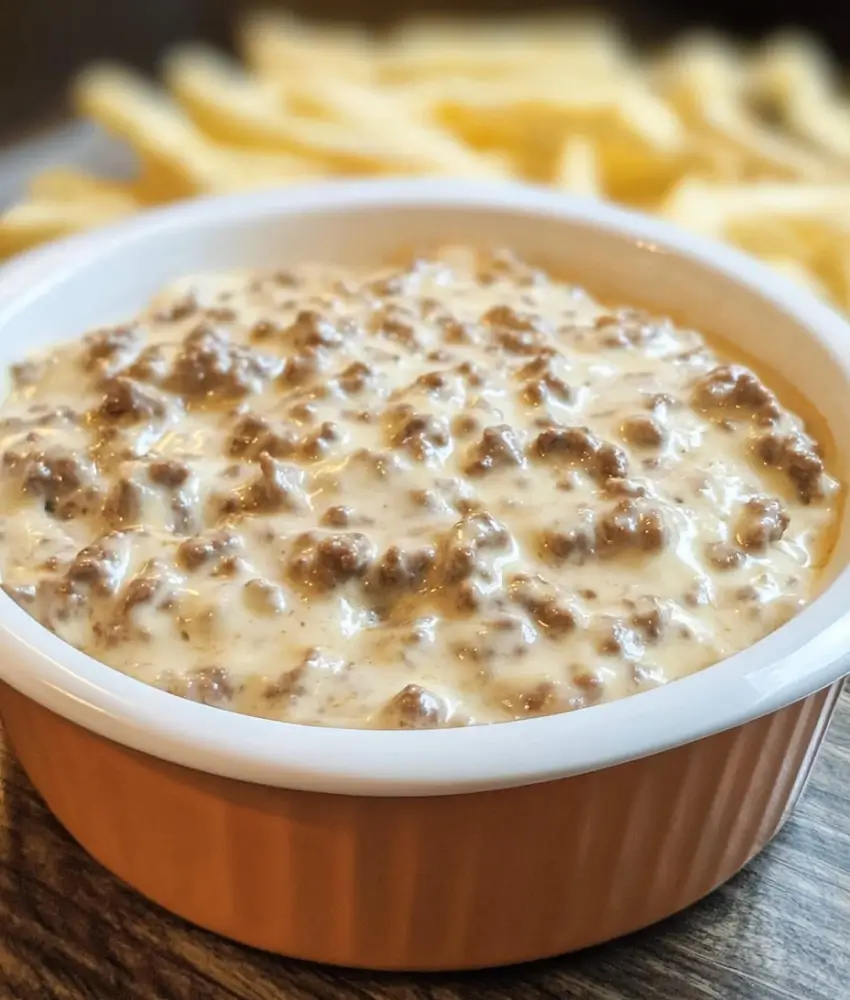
177 159
422 50
233 107
793 78
577 169
30 223
698 204
366 108
68 184
704 79
281 46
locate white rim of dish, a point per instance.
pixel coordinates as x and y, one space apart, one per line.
807 654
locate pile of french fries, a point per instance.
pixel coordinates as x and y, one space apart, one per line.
751 146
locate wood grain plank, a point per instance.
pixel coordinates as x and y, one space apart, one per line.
778 931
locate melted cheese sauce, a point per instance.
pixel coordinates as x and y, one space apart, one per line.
455 492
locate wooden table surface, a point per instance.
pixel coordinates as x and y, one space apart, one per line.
780 930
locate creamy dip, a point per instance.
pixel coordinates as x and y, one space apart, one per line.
455 492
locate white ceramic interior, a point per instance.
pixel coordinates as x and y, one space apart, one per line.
102 278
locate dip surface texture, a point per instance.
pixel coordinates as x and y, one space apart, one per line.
456 492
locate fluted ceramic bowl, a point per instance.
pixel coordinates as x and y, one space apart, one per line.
450 848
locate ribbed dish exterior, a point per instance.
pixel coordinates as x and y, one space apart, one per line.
445 882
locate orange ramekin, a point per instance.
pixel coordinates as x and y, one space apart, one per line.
442 849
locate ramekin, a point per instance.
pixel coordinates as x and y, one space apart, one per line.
441 849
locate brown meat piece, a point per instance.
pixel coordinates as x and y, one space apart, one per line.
208 548
338 516
476 532
173 476
631 525
328 560
180 308
544 603
581 447
27 373
100 566
400 569
573 543
464 563
40 417
356 377
301 369
465 424
643 431
496 640
252 435
544 698
650 618
209 686
538 391
277 486
419 433
399 326
618 487
515 332
762 520
542 383
318 443
169 473
732 388
209 366
151 365
108 351
65 480
473 374
123 505
617 639
413 707
455 332
499 446
724 556
433 382
627 327
289 685
124 399
148 586
311 330
263 329
797 456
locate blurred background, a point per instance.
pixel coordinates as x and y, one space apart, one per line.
746 142
42 42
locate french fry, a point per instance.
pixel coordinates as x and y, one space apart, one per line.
30 223
577 169
697 204
177 159
362 107
704 79
67 184
432 50
793 78
790 67
506 114
233 107
283 47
